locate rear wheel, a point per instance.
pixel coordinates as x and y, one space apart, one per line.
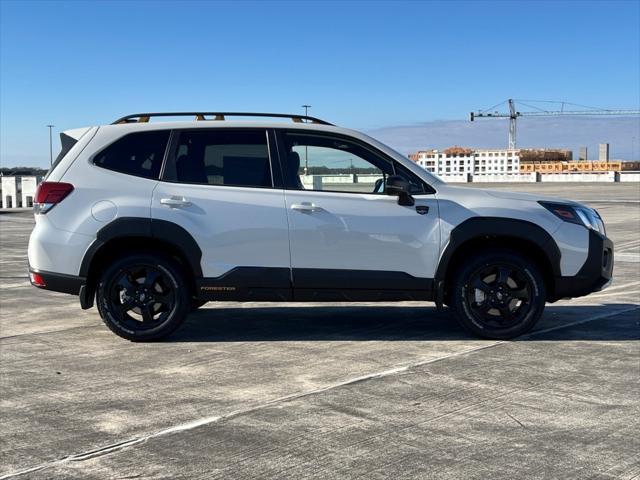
143 297
498 295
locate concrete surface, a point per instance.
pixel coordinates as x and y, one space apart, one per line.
325 391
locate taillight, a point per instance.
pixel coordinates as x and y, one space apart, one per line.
37 280
49 194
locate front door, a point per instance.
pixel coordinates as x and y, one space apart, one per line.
218 184
350 240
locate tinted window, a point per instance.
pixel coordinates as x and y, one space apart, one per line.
323 163
137 154
417 185
221 157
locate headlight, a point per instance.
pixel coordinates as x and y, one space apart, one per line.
579 215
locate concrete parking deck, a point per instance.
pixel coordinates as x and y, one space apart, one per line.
317 391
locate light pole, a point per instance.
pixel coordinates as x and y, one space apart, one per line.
50 145
633 148
306 148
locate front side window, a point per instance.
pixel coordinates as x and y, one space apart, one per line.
138 154
321 163
238 158
334 164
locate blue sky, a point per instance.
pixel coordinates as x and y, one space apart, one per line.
375 66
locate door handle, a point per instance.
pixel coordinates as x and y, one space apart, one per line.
306 207
175 202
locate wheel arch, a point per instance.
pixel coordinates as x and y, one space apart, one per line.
138 234
479 233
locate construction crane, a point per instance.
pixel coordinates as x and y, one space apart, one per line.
513 113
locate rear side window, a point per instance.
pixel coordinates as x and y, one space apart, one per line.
138 154
238 158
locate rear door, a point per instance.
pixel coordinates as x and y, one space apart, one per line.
350 240
219 185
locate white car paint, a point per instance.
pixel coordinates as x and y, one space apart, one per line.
54 250
234 226
257 227
362 232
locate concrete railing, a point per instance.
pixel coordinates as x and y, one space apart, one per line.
629 177
506 177
312 179
578 177
456 178
317 181
533 177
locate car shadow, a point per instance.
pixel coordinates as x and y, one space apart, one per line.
392 323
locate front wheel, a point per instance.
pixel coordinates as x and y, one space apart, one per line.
498 295
143 297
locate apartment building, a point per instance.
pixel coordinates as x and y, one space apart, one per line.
458 160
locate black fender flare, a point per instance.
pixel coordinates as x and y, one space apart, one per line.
496 227
154 229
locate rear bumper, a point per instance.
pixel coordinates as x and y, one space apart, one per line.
60 282
595 274
57 282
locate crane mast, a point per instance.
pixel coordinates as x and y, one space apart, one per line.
513 115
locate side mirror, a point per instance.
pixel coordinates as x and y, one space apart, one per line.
400 187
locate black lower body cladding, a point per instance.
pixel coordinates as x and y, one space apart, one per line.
596 272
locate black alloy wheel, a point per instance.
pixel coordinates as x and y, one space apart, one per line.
143 297
499 295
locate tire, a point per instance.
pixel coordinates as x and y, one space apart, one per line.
498 294
143 297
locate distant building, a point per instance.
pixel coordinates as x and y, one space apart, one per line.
18 191
534 155
459 160
631 166
28 190
583 154
603 152
11 192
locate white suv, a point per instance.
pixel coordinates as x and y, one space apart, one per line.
153 219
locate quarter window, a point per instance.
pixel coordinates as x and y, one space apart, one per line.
221 157
139 154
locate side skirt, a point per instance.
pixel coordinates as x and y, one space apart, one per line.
314 285
248 284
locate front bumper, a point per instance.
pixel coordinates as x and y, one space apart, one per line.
595 274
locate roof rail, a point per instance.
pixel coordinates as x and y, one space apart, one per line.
201 116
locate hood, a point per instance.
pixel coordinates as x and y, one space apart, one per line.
505 195
527 196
